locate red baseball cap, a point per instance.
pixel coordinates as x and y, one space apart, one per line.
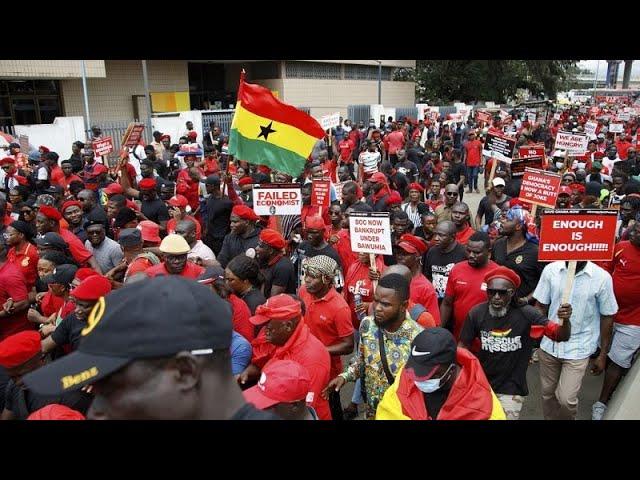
7 161
55 411
84 273
178 201
564 189
99 169
192 134
394 198
150 231
280 307
282 381
20 347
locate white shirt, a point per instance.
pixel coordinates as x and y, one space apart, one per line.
139 150
200 250
607 162
370 161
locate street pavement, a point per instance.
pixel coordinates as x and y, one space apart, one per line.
532 408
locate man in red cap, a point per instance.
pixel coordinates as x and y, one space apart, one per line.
328 316
283 388
178 206
67 333
564 197
246 190
48 220
20 354
153 208
409 252
381 192
505 331
244 235
466 287
276 267
287 337
10 175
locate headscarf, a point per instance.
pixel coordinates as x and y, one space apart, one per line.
519 214
321 265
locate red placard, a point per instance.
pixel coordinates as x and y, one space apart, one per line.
321 193
531 151
540 187
101 147
133 134
577 235
484 117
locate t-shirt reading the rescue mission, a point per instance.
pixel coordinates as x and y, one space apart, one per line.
438 265
505 345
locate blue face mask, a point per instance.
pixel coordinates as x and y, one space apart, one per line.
433 384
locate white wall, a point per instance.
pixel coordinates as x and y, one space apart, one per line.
57 136
175 126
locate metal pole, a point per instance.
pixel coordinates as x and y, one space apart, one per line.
379 82
86 99
146 93
595 82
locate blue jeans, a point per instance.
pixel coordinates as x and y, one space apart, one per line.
472 173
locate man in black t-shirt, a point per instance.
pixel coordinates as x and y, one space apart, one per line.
315 244
218 213
164 346
152 207
504 330
457 171
277 269
441 258
492 201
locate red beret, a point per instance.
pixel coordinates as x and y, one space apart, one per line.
147 184
505 273
71 203
50 212
92 288
113 189
99 169
245 213
245 181
378 177
178 201
264 169
280 307
192 134
394 198
416 186
315 223
17 349
7 161
412 244
272 238
43 148
85 272
55 411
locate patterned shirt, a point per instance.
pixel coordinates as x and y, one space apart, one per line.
397 346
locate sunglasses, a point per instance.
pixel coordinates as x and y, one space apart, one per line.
452 194
503 292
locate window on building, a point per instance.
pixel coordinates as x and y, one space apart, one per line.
367 72
314 70
27 102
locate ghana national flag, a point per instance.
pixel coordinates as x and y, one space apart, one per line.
266 131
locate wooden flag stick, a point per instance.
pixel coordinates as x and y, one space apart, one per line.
372 262
568 286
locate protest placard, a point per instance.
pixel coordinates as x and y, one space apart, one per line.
556 116
577 235
321 193
277 199
616 127
132 135
527 151
573 143
101 147
484 116
330 121
518 165
338 187
531 117
501 146
624 116
590 129
370 233
540 187
23 140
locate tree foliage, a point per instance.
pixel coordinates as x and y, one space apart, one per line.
446 81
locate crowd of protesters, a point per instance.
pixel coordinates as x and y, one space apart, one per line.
147 286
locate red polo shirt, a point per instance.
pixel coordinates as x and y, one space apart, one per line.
302 347
357 280
13 285
467 288
191 270
27 261
463 237
329 319
421 291
343 247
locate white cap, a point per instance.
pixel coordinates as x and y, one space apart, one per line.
498 181
559 153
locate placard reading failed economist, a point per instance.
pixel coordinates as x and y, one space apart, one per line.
370 233
578 235
277 199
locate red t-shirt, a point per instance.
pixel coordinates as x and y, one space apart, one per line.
357 280
467 288
79 253
329 319
27 261
421 291
346 148
191 270
171 226
56 175
623 146
343 247
625 272
474 152
65 181
395 140
13 285
463 237
240 318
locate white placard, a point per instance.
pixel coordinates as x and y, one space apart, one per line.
616 127
531 117
277 199
590 129
624 116
370 233
330 121
556 116
572 142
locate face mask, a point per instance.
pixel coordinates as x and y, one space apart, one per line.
433 384
581 165
559 165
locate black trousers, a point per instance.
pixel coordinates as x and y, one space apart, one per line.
335 405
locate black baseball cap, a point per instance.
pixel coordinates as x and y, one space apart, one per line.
54 189
62 274
155 318
211 274
52 239
430 348
212 180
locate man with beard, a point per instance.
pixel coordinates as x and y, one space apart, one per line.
277 269
441 258
385 343
505 329
243 237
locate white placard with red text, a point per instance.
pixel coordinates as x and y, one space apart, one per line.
277 199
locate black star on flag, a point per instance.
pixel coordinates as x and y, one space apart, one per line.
265 131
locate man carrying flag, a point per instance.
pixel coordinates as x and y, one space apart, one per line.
268 132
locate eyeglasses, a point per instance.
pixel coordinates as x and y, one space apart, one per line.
500 291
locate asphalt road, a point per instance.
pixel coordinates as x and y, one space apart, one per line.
532 408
